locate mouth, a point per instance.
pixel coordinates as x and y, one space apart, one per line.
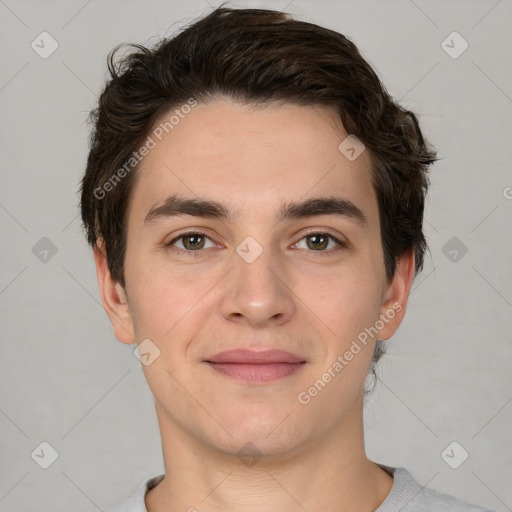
250 366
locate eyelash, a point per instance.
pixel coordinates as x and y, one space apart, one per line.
341 244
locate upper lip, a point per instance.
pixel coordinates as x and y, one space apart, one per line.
245 356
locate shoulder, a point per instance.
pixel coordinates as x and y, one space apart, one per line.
136 503
407 495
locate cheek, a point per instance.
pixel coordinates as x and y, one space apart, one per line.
161 299
350 299
349 306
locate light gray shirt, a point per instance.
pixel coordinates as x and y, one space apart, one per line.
406 495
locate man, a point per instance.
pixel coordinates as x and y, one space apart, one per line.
255 198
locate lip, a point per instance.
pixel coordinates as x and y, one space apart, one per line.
245 356
251 366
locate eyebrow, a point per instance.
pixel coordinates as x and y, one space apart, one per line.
175 206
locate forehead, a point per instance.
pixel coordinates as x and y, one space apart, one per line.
251 157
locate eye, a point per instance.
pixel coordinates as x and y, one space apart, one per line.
194 241
191 241
319 242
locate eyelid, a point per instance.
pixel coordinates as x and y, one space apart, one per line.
340 241
325 231
189 232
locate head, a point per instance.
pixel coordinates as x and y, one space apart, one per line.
248 113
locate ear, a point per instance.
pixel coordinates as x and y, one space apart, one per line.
114 298
397 293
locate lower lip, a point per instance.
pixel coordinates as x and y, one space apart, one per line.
257 372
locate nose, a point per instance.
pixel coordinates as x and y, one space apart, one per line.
258 292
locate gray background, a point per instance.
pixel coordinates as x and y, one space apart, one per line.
66 380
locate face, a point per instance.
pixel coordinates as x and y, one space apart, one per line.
283 254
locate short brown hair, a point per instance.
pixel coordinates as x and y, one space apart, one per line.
255 56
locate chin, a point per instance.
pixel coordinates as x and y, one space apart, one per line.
269 435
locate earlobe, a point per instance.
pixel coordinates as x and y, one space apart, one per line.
113 297
395 300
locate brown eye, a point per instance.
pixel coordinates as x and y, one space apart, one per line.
323 243
193 241
190 242
317 241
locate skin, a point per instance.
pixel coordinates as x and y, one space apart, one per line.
295 296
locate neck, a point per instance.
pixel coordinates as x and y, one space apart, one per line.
332 473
